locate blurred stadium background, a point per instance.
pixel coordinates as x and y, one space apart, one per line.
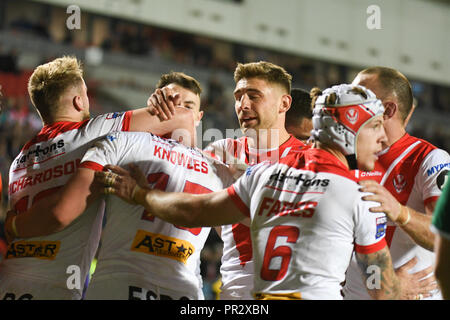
127 44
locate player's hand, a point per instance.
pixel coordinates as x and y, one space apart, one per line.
388 204
120 182
9 234
414 285
236 166
162 103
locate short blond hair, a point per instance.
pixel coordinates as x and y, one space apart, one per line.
49 81
265 70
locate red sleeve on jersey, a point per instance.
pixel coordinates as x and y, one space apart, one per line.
126 121
430 199
238 201
371 248
91 165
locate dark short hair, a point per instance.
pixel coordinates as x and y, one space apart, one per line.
300 107
393 82
181 79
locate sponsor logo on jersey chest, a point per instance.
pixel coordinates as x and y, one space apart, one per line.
162 246
39 153
299 179
33 249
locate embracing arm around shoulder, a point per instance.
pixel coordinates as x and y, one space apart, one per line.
190 210
143 121
184 209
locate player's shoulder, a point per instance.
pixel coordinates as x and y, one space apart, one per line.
138 138
433 158
108 116
114 121
317 160
293 142
226 143
414 150
52 131
260 168
421 145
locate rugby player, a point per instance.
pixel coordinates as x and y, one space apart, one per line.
307 213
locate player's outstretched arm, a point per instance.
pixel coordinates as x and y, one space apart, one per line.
184 209
56 211
142 120
381 282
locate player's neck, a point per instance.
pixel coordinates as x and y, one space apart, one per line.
337 153
394 133
268 138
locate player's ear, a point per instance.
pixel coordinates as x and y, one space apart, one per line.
390 109
286 101
77 103
200 115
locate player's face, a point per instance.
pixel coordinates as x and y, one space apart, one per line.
188 100
257 103
370 141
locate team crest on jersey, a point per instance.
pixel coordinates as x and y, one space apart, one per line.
352 115
113 115
399 183
162 246
381 227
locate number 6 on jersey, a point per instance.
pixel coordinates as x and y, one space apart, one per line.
283 251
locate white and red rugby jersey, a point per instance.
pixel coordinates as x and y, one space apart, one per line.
237 266
43 165
136 246
307 217
412 170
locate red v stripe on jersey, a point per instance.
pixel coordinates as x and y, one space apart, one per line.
403 162
242 238
395 162
52 131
